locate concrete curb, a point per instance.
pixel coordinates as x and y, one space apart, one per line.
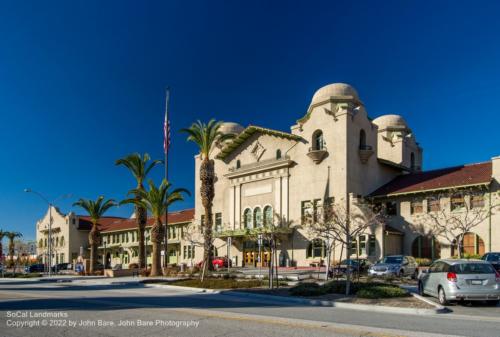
312 302
336 304
191 289
439 308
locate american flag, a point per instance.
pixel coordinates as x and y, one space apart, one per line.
166 126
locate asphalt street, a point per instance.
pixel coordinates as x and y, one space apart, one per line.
70 309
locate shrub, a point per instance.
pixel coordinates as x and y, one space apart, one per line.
218 283
308 289
133 266
468 256
381 291
145 272
423 262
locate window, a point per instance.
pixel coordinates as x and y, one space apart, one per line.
416 206
362 140
61 242
457 201
218 222
471 244
318 210
202 220
40 243
278 154
268 216
316 248
238 164
307 211
477 201
257 215
412 161
362 245
247 218
426 247
188 252
391 208
318 141
372 244
354 246
433 204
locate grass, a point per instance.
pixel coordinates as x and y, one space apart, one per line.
360 289
219 283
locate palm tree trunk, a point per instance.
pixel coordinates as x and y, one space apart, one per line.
141 218
11 250
156 238
207 176
94 241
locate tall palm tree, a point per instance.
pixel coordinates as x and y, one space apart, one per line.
12 236
96 210
2 235
206 136
156 200
139 167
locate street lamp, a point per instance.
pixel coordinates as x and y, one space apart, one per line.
50 204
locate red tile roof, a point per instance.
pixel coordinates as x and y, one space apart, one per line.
108 224
472 174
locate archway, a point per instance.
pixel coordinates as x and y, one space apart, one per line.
426 247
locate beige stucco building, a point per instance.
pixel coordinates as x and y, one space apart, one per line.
272 179
334 152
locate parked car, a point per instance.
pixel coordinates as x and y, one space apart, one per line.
493 258
355 265
62 267
217 262
454 280
35 268
395 265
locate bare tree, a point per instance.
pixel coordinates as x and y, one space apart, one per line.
343 221
452 214
192 233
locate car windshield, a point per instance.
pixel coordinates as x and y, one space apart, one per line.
348 262
392 259
473 268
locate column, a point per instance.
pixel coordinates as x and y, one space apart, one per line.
237 215
231 210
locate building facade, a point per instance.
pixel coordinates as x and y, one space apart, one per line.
119 238
334 152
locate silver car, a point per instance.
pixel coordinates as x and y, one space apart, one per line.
395 265
455 280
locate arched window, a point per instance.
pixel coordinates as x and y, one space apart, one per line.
318 141
40 243
247 216
61 242
257 216
362 139
278 154
412 161
316 248
57 241
472 244
426 247
238 164
268 216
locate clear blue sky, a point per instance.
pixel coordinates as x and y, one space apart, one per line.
82 84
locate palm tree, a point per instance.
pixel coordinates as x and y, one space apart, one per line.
156 200
12 236
206 136
96 210
139 167
2 235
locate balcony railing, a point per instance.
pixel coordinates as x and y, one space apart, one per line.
317 154
365 152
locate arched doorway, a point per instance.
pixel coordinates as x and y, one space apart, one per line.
108 261
426 247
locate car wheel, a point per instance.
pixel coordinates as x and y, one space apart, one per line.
442 297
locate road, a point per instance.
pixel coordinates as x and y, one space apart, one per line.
132 310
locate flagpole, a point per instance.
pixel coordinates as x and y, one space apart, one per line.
166 142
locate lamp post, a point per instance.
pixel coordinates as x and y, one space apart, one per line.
50 204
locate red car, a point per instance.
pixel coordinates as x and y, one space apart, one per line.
217 262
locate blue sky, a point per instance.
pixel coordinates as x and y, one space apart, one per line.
82 82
